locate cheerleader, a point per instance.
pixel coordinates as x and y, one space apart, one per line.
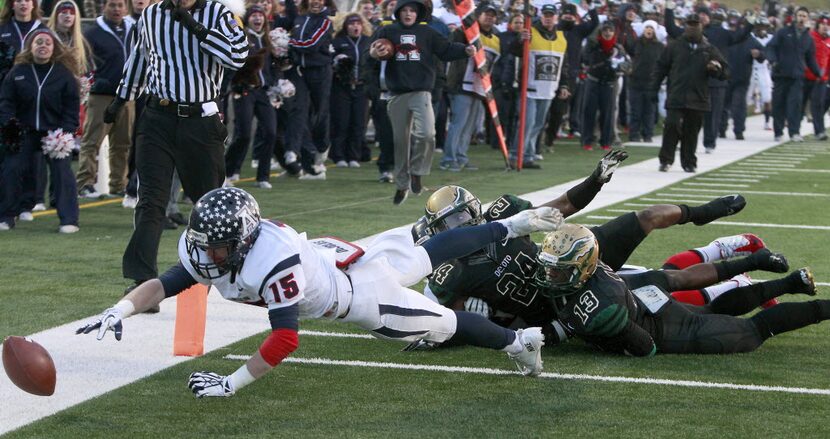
41 94
348 91
249 96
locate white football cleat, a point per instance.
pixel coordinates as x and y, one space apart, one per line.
26 216
39 207
254 163
263 185
541 219
738 245
342 164
529 360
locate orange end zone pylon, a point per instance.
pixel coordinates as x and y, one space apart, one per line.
191 316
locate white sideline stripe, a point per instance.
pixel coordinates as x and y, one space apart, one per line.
548 375
762 161
727 179
789 194
88 368
784 158
729 223
714 184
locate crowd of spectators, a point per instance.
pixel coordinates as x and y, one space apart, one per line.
321 87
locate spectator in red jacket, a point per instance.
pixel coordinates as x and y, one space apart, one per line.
815 88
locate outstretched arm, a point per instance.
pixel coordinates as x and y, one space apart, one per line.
579 196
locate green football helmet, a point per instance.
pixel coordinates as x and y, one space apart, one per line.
450 207
567 259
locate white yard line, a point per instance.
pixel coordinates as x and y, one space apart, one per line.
766 165
727 179
548 375
685 183
725 175
786 194
88 368
729 223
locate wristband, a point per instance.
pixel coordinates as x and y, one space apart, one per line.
126 307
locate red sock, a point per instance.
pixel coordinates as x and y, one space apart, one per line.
692 297
683 260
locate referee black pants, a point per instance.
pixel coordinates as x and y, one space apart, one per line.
195 147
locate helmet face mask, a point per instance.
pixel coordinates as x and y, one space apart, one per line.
451 207
224 225
567 259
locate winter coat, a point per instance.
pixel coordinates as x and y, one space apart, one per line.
644 60
687 74
110 54
49 106
789 55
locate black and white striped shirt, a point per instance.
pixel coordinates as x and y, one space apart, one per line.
169 62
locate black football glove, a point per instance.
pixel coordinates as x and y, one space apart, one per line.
112 110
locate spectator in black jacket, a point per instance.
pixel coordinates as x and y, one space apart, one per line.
249 93
741 58
688 62
349 101
602 59
108 40
722 39
308 111
17 20
575 33
642 96
41 92
505 77
410 76
789 52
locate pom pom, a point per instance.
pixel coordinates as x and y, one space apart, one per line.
58 144
279 41
278 93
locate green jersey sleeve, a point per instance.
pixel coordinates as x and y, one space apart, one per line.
506 206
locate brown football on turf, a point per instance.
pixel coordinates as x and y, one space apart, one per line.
29 365
390 48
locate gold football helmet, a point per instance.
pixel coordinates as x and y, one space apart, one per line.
567 259
450 207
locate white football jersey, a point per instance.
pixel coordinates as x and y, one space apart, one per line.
281 269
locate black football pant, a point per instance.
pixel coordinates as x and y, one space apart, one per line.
681 125
193 146
132 179
253 104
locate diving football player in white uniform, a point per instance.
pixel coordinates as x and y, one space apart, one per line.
268 263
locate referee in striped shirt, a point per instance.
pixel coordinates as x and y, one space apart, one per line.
182 50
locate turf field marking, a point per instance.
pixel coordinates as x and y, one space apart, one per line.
765 165
671 200
548 375
786 155
736 175
704 197
739 180
336 334
714 184
785 164
731 223
637 205
749 171
786 194
812 171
